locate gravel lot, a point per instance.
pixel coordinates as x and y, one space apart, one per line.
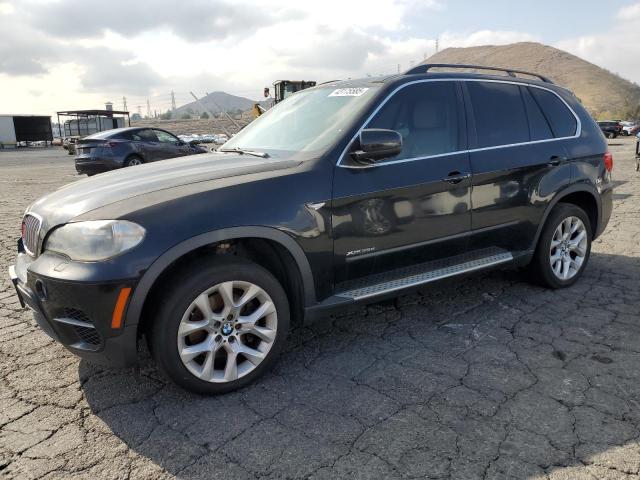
487 377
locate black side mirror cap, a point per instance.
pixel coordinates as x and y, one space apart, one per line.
377 144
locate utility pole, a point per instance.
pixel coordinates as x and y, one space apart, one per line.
148 109
124 103
398 68
437 45
139 111
173 102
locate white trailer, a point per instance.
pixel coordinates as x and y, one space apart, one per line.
15 129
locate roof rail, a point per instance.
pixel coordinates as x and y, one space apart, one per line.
512 72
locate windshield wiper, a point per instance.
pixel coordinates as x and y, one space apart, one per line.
243 151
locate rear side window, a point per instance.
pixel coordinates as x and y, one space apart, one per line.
538 126
499 113
427 115
562 121
145 135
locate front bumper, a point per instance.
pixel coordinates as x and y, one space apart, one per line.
78 315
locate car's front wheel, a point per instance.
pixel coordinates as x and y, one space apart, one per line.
221 325
563 248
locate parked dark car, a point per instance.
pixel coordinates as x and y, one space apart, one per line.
347 192
610 129
126 147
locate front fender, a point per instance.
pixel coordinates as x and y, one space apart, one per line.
174 253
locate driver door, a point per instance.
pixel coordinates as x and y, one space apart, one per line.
170 146
413 207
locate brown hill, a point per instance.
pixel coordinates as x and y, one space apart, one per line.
197 125
605 94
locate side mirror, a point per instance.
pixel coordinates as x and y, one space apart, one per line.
194 142
377 144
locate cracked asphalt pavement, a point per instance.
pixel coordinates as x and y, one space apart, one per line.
483 377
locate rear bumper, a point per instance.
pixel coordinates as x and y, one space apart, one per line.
606 208
91 165
78 315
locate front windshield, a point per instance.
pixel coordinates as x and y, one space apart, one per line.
308 121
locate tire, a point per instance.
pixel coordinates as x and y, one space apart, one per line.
575 259
178 330
133 160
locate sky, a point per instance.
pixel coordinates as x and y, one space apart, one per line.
79 54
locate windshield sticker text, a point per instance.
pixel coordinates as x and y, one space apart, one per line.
348 92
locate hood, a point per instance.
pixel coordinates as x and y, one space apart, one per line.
81 197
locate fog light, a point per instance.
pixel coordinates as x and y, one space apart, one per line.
41 290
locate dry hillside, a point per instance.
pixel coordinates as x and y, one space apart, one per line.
605 94
196 125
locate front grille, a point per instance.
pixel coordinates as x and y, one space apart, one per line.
88 333
75 314
30 232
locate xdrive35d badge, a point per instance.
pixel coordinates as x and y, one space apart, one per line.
351 191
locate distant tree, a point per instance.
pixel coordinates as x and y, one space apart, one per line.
190 111
136 116
204 115
166 115
185 116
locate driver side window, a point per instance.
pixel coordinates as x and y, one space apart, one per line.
427 115
165 137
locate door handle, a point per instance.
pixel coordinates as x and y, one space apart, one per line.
456 177
556 160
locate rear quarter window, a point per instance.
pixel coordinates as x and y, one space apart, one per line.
538 124
562 121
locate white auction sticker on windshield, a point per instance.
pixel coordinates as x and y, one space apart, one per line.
348 92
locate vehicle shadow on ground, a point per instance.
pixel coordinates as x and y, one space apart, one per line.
484 377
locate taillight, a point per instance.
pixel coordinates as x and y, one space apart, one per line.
22 230
608 161
111 144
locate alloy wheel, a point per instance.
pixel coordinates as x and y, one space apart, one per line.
227 331
568 248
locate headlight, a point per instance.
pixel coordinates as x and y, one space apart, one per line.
95 240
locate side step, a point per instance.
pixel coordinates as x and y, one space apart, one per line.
422 273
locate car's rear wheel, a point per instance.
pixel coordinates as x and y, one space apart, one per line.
563 249
133 160
221 325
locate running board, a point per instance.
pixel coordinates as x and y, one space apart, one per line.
420 274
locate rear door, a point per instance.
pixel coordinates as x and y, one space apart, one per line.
413 207
516 159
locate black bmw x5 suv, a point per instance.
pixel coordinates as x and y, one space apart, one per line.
348 192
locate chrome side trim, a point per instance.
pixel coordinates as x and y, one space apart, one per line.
426 277
74 322
426 80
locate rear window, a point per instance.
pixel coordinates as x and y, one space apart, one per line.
499 114
562 121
